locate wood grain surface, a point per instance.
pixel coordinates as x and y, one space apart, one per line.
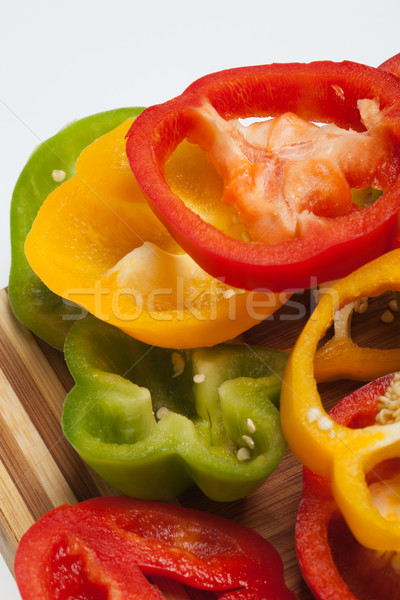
39 470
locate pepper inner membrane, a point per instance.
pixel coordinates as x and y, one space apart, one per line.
280 176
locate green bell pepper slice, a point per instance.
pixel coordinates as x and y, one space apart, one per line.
151 429
43 312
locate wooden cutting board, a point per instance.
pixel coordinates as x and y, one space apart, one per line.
39 470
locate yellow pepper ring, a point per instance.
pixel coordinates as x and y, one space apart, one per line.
338 453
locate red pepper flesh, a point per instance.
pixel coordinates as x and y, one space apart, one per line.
310 91
110 544
392 65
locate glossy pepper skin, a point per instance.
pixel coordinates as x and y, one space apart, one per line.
338 453
42 311
334 565
392 65
152 421
324 91
96 242
107 546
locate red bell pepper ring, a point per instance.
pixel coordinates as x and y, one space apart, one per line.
106 546
334 565
321 91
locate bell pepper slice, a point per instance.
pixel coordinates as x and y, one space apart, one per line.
392 65
42 311
151 421
341 358
112 256
341 454
333 563
105 547
336 237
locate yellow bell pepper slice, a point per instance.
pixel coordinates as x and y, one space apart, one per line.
96 242
342 358
338 453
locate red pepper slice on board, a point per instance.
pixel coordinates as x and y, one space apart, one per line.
338 237
334 565
106 546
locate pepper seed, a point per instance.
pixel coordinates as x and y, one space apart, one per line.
250 425
387 317
243 454
58 175
162 411
199 378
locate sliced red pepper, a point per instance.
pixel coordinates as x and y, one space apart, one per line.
106 546
392 65
338 237
334 565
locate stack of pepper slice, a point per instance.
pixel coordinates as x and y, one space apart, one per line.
108 253
109 414
333 563
333 241
348 525
336 452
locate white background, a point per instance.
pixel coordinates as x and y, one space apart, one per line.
65 60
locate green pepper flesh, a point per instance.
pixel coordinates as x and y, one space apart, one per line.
151 432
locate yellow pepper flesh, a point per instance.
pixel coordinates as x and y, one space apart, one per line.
97 243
